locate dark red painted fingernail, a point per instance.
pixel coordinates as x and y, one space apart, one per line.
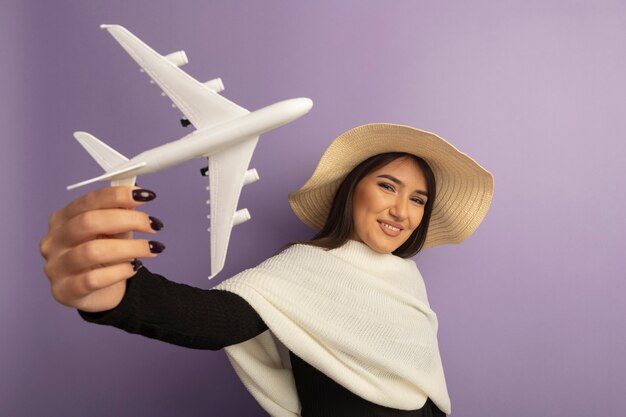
156 247
136 263
155 223
143 195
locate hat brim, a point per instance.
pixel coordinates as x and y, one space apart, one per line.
464 188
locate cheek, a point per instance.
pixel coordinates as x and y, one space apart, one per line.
416 219
361 209
359 201
358 230
359 212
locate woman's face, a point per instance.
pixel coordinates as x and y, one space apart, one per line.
389 205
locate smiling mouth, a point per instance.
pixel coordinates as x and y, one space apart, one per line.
389 229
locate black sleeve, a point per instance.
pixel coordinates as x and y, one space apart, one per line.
180 314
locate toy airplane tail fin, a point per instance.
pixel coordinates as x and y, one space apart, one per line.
108 158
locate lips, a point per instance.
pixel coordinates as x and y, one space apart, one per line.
390 228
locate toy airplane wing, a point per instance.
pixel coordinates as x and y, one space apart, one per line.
227 175
200 103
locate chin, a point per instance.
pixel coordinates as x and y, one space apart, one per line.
381 244
382 247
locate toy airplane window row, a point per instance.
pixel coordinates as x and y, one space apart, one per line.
225 133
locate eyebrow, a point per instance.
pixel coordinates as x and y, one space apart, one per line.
397 181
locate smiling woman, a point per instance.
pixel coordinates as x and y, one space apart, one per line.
367 184
348 311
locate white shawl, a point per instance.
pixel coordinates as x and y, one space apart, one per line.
360 317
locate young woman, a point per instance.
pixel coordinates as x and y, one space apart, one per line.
336 326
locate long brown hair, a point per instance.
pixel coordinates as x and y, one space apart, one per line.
339 225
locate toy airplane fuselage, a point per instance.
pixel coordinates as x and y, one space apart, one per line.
226 135
203 143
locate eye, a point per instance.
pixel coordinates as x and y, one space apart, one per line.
418 201
386 186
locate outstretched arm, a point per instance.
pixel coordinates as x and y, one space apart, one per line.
180 314
91 256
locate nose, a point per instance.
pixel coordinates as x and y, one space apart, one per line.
399 210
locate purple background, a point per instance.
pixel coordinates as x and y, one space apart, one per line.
531 307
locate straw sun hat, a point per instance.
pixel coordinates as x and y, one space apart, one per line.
464 188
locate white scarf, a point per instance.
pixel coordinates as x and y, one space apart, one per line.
360 317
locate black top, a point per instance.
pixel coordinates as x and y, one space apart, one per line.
212 319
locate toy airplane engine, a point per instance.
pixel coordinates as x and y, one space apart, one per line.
225 133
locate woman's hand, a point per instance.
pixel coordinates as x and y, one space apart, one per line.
89 249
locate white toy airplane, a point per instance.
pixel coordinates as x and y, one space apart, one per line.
226 134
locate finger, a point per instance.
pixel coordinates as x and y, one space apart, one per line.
94 253
83 284
104 198
110 222
117 223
